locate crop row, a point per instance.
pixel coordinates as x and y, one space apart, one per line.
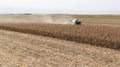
99 35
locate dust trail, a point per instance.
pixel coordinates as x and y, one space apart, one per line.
42 18
56 19
47 18
64 19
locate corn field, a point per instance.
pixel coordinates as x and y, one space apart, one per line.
98 35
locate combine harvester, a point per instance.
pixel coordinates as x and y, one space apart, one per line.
75 22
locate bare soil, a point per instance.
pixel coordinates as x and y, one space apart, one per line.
27 50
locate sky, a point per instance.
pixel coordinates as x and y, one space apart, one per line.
60 6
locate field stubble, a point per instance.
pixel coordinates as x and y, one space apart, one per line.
27 50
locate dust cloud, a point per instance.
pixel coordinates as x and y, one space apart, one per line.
57 19
42 18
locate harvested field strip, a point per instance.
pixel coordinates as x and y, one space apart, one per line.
99 35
